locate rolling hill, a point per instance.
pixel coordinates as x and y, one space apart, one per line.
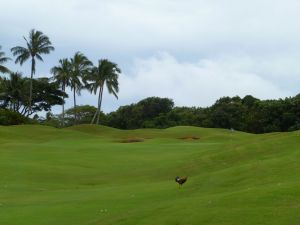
95 175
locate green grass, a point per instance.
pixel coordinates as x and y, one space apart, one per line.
85 175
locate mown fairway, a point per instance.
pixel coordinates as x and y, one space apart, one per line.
85 175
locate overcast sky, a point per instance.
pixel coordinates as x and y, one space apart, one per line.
193 51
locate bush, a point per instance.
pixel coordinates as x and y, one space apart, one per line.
8 117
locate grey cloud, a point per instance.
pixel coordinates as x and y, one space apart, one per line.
246 42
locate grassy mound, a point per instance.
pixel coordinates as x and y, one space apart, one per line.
83 175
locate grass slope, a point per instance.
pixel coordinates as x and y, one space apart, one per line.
85 175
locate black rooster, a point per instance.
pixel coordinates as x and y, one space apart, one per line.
181 180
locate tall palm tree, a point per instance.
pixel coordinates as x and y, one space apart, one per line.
106 73
80 67
61 74
3 60
36 45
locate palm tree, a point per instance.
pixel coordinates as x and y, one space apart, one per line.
36 45
106 73
80 67
61 74
3 59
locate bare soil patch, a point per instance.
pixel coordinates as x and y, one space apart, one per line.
132 140
189 138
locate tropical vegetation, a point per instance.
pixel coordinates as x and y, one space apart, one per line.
14 92
28 96
62 76
106 73
36 45
3 59
78 73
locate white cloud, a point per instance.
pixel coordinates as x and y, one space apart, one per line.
193 84
196 84
140 25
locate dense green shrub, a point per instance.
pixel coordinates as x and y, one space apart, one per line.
245 114
8 117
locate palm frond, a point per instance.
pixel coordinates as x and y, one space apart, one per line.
38 56
4 59
62 72
22 54
81 68
4 69
105 72
36 44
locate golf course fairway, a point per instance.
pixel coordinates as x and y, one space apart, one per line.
96 175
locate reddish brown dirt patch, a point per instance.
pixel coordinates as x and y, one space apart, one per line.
189 138
132 140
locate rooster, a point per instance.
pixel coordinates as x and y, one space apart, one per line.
180 181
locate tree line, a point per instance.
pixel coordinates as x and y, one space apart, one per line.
247 114
27 96
22 97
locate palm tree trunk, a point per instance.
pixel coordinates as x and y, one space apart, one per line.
96 113
63 107
94 117
31 78
99 104
75 112
30 92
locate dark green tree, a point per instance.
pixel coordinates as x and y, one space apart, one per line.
141 114
85 114
13 94
228 113
45 95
